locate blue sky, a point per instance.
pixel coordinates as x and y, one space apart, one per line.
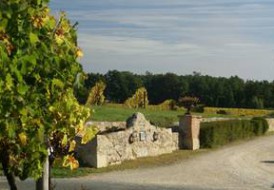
214 37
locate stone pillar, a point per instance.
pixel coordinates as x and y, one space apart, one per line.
189 128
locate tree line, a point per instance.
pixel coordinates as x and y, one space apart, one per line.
212 91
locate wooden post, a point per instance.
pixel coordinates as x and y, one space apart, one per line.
145 94
43 183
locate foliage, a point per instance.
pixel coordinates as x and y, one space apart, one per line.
166 105
121 85
96 95
138 100
163 87
257 102
199 108
214 134
232 92
38 66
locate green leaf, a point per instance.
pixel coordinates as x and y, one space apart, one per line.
3 24
9 81
11 130
64 140
22 89
33 38
40 134
57 83
28 63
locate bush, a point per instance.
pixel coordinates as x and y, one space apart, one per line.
96 94
138 100
199 108
218 133
222 112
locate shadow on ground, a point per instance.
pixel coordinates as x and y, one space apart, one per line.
268 161
75 184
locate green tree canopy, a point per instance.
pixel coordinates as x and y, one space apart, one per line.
38 66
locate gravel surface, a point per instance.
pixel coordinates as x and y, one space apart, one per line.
244 166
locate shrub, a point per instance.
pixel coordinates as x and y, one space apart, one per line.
222 112
166 105
96 94
218 133
199 108
138 100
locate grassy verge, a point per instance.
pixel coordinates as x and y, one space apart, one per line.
146 162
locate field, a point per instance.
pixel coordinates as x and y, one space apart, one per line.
164 117
118 112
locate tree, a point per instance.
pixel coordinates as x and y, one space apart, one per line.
163 87
38 66
121 85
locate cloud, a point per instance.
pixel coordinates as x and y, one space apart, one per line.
215 36
134 46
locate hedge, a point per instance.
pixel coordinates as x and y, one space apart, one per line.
218 133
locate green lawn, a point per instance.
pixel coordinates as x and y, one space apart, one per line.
162 118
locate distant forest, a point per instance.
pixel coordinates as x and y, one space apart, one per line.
212 91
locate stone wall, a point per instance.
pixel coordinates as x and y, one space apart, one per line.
138 139
135 138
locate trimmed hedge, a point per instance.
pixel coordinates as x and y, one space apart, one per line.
218 133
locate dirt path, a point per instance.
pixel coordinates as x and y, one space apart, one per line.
245 166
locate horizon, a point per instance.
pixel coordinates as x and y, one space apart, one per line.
188 74
215 38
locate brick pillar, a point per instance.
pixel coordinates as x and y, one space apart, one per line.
189 128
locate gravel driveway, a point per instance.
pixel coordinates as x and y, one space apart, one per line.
245 166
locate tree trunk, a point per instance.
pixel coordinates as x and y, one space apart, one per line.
9 175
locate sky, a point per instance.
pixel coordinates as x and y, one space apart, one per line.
213 37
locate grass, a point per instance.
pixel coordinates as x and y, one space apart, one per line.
162 118
146 162
112 112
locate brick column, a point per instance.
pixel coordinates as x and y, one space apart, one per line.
189 128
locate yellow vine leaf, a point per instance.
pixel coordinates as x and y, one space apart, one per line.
79 53
89 134
23 138
70 161
72 145
65 140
